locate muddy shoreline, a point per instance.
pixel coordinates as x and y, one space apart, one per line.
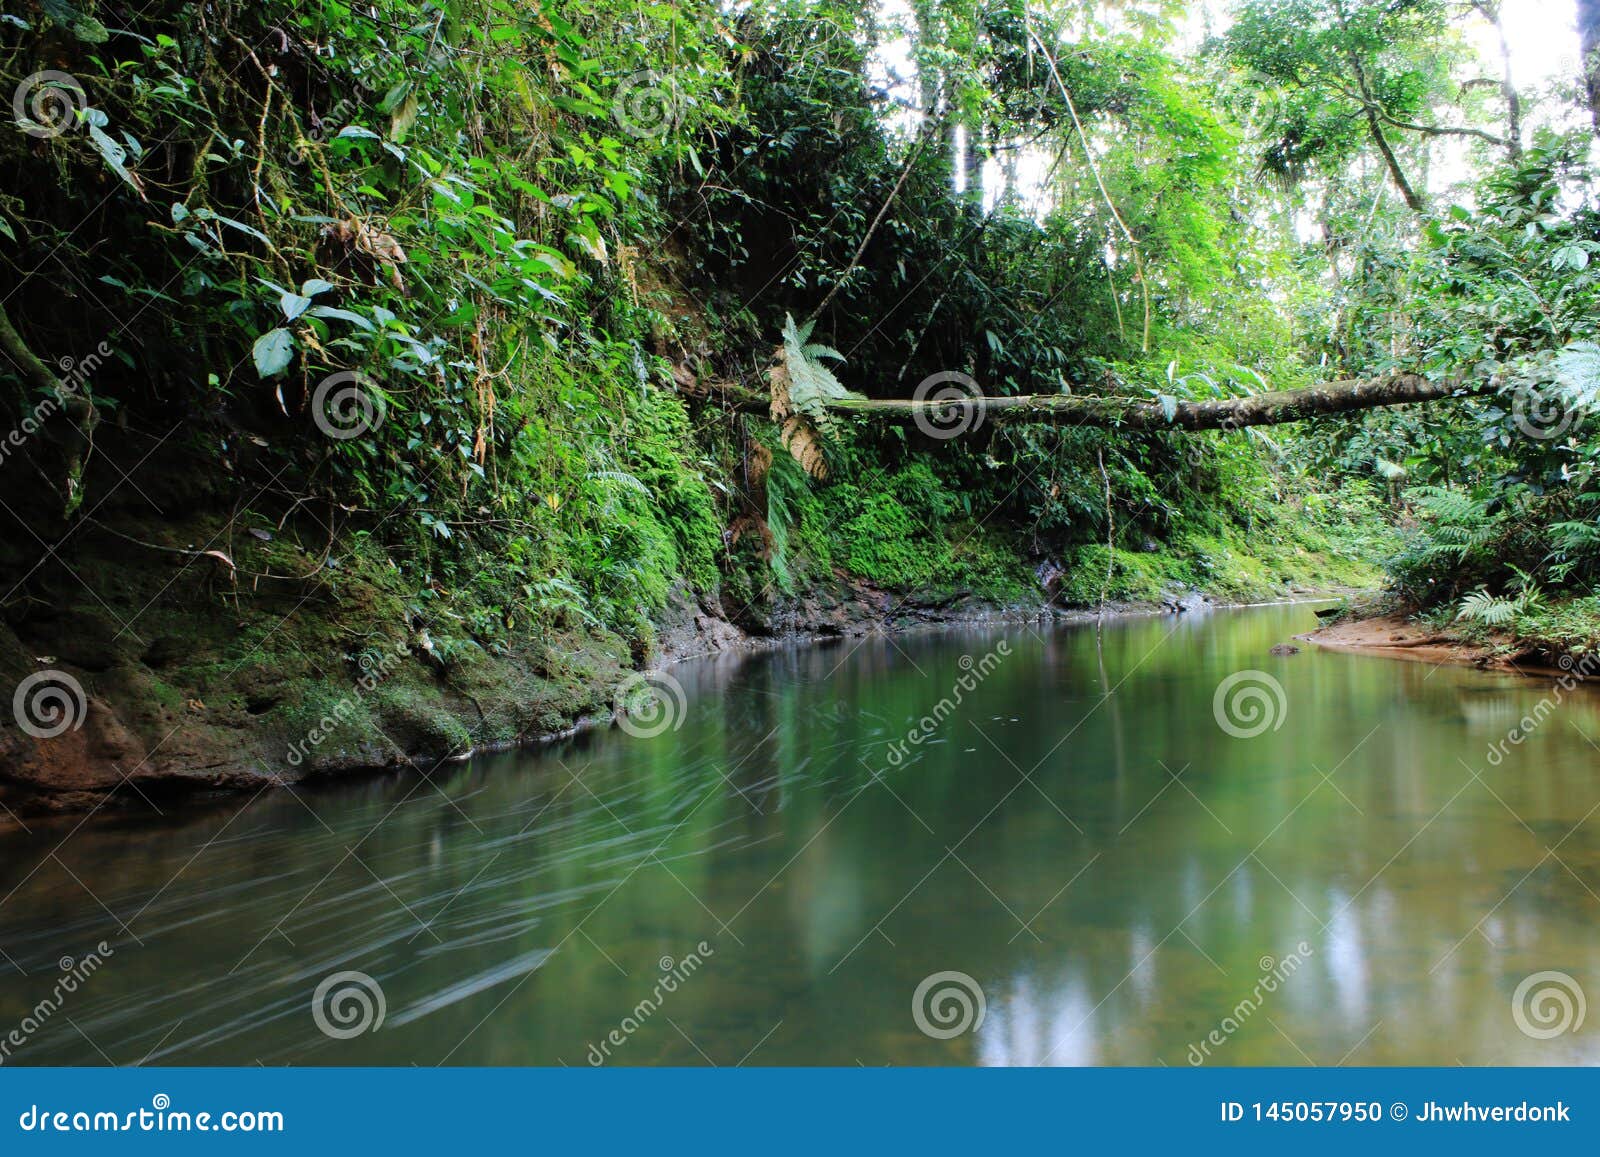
1393 636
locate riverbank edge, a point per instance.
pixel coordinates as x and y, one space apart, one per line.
445 717
1393 634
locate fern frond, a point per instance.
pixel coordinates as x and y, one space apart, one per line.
1490 610
802 387
622 478
1578 371
786 486
811 384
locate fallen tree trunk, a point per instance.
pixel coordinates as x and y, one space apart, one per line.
1269 409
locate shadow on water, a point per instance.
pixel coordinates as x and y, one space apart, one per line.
1121 878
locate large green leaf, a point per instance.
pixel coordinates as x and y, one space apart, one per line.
273 352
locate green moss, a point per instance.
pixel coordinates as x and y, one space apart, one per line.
905 528
445 734
680 504
1235 567
881 544
1129 577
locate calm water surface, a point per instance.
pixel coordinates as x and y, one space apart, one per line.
1114 871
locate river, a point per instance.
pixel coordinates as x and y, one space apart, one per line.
989 846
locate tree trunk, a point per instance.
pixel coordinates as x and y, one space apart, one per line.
1589 32
1508 86
1269 409
1375 123
1381 139
967 150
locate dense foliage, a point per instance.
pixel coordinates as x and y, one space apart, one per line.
462 291
379 265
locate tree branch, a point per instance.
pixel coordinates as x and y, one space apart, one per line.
911 160
1268 409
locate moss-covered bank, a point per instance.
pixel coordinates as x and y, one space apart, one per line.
197 678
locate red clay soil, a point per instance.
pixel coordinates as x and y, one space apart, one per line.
1393 636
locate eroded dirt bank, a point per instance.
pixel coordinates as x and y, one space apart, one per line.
1395 636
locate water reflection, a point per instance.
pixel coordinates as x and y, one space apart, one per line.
1079 836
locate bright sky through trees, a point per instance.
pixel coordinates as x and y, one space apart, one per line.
1542 36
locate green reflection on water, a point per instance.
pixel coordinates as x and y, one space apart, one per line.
1079 836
